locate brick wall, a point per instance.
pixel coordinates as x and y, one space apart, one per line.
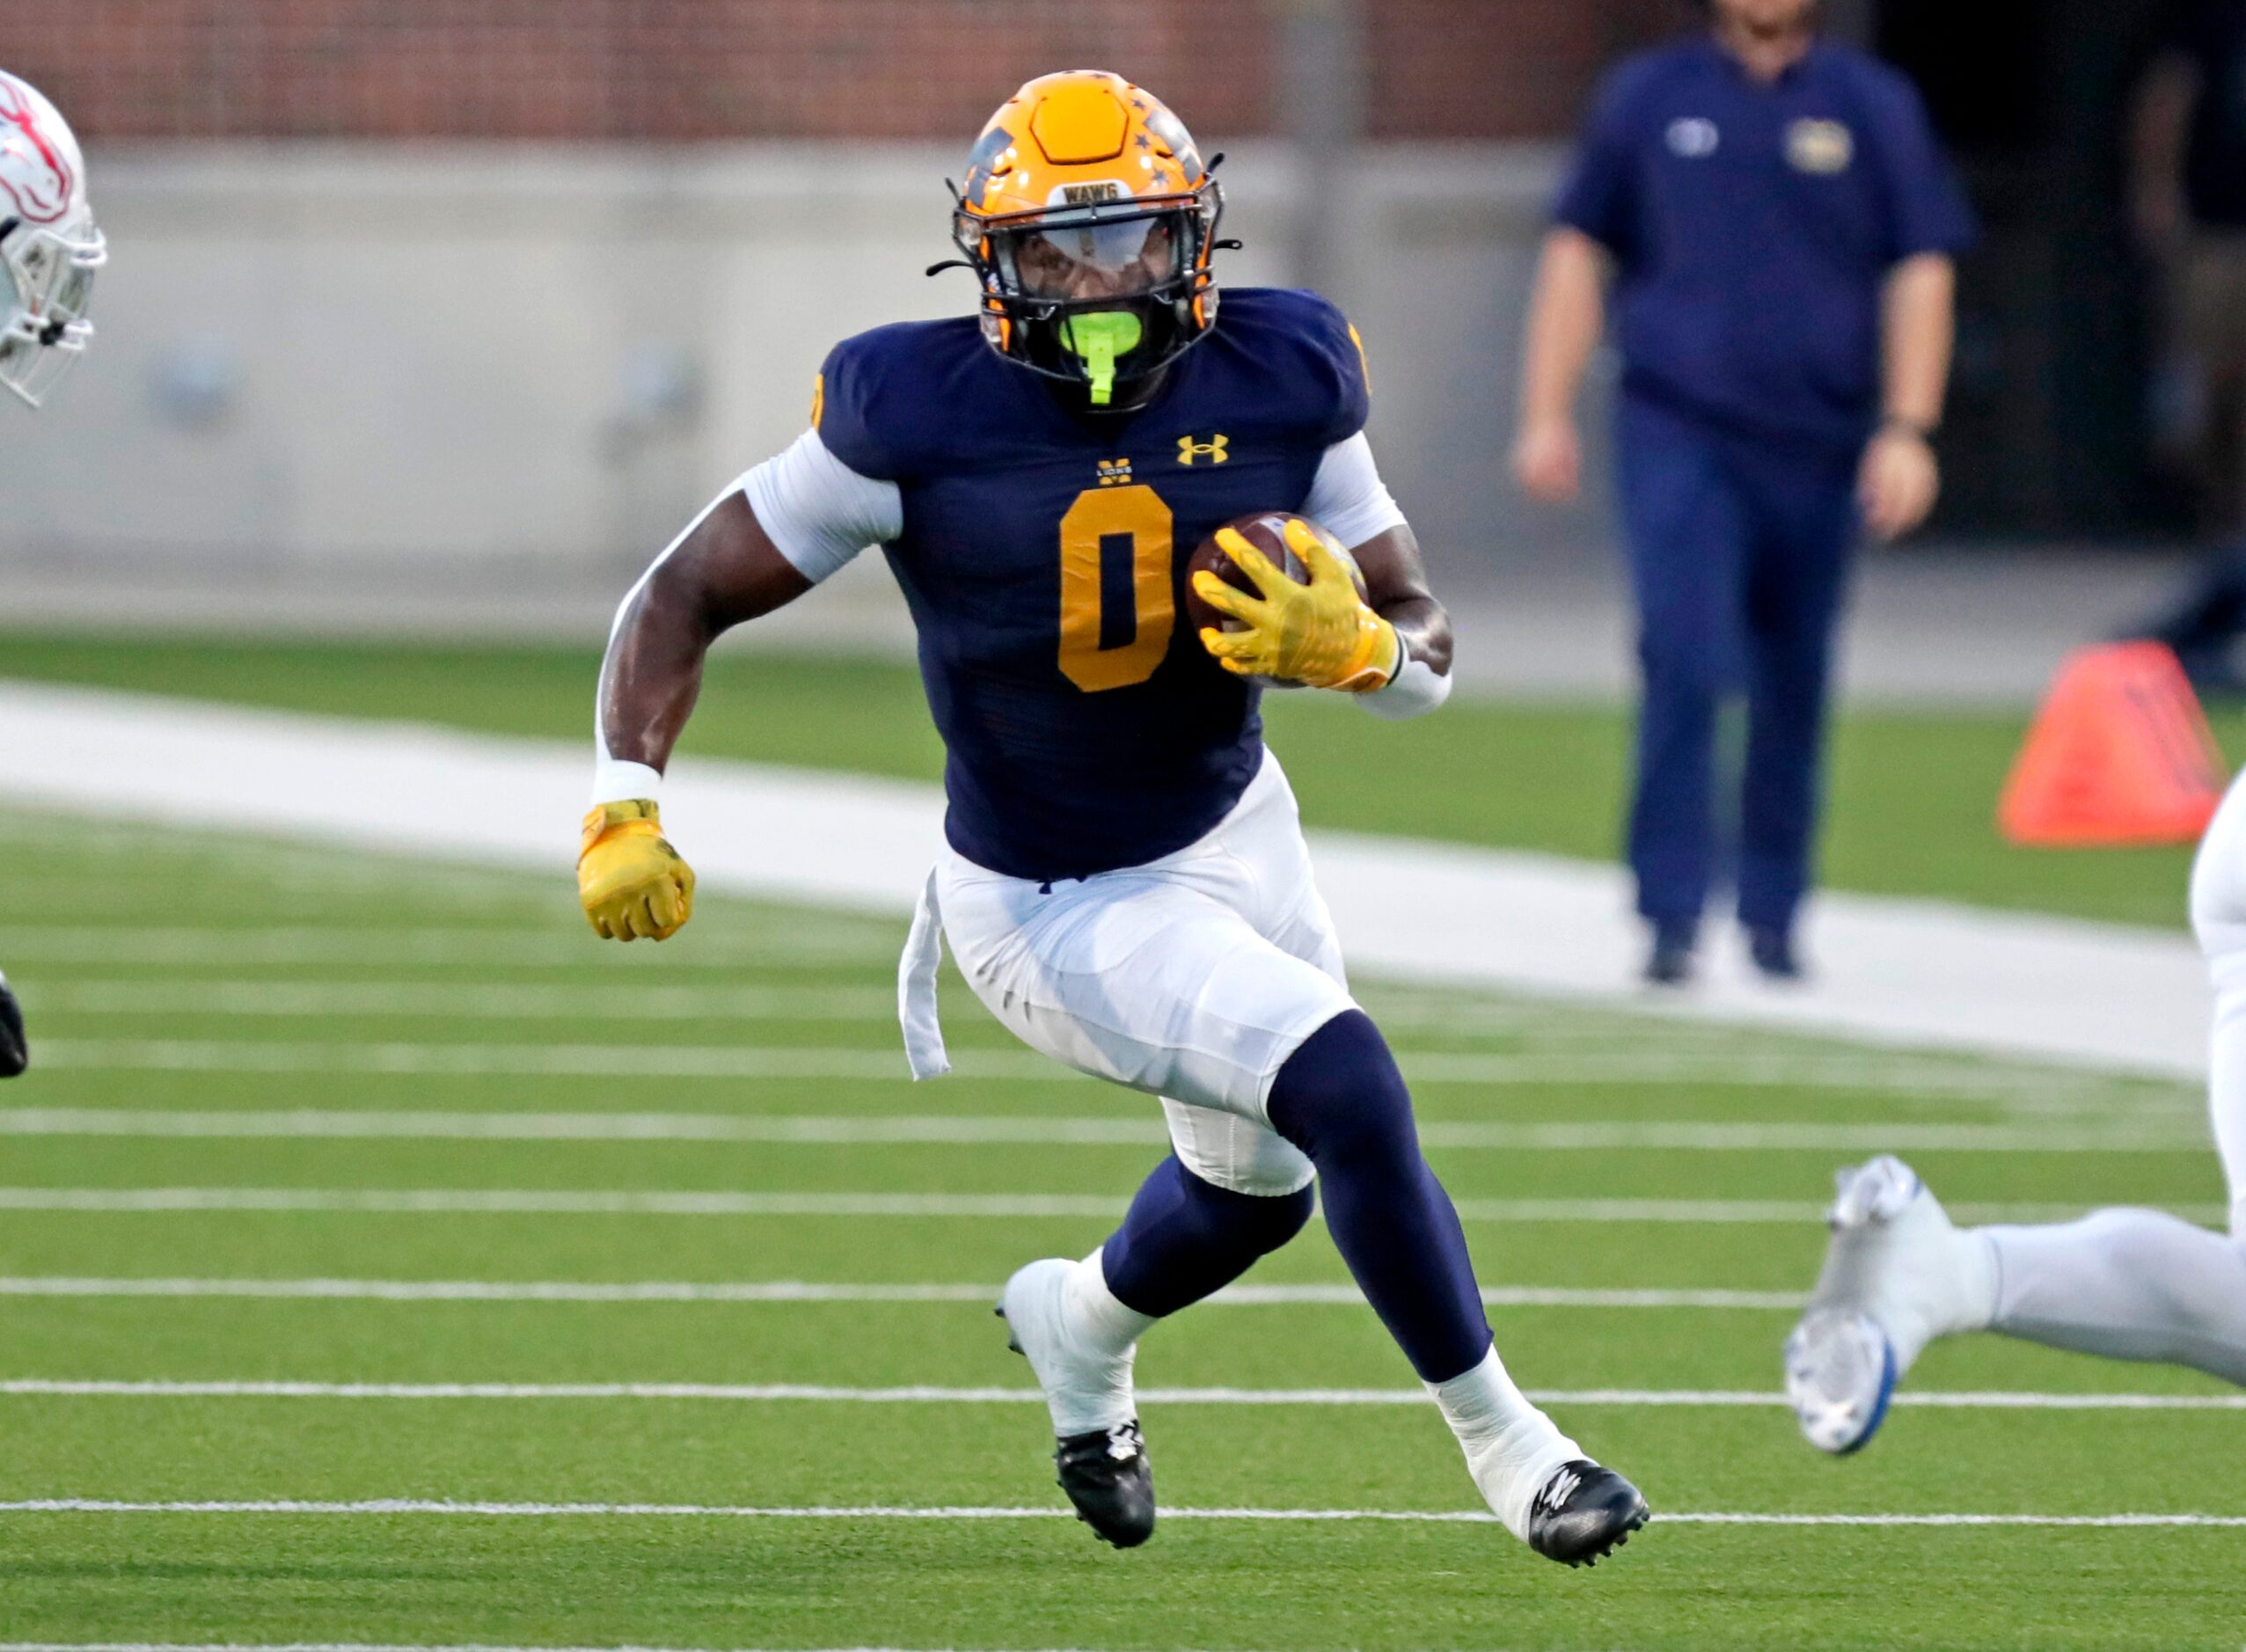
688 69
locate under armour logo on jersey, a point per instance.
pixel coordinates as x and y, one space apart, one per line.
1115 472
1693 137
1213 450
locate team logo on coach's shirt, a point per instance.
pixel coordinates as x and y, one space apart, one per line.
1820 146
1693 137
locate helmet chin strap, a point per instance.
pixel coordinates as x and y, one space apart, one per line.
1096 339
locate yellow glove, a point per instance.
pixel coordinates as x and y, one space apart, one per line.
1321 634
631 879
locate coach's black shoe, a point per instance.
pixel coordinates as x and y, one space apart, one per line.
1670 962
1771 948
1107 1476
1583 1512
14 1054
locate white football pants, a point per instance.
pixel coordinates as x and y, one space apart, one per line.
2137 1284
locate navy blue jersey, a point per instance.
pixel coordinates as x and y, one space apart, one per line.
1043 558
1753 226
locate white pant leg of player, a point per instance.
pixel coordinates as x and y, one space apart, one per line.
2138 1284
2125 1283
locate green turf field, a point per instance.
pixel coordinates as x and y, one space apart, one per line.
305 1117
1914 793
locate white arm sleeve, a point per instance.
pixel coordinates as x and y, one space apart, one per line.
818 511
1347 497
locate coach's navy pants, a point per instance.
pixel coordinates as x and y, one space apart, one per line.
1739 551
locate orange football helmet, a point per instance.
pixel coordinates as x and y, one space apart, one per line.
1089 219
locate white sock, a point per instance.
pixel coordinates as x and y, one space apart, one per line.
1511 1447
1097 1317
1089 1384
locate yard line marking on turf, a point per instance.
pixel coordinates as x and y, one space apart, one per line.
915 1394
458 1000
886 1511
1046 1131
416 944
729 1061
528 1202
785 1290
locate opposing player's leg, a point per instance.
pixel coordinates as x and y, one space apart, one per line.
15 1053
2129 1285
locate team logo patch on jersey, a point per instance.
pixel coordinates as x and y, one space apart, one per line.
1823 147
1693 137
1115 472
1192 452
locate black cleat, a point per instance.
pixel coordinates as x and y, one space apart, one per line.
1670 962
1106 1475
1584 1511
1773 954
14 1054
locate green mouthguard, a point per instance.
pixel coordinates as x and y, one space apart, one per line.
1096 339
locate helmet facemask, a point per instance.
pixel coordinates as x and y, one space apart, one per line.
47 276
1104 295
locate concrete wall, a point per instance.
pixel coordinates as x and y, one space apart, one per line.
467 365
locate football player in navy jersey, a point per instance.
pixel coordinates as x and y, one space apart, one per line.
1125 884
49 251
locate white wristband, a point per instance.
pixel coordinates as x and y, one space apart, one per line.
1414 691
617 781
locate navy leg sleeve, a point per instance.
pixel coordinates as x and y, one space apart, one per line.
1182 1238
1341 1100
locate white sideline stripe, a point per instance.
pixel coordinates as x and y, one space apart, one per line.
882 1511
1893 972
1045 1130
803 1290
527 1201
458 999
930 1394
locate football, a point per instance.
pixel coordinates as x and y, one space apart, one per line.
1266 530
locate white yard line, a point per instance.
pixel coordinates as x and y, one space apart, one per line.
528 1202
1893 972
920 1394
1734 1069
784 1290
2183 1135
454 1000
393 945
883 1511
626 1201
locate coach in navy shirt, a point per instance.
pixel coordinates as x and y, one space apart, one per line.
1777 224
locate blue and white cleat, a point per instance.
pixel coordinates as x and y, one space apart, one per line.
1897 1274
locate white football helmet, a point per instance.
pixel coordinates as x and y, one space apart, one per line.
49 248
